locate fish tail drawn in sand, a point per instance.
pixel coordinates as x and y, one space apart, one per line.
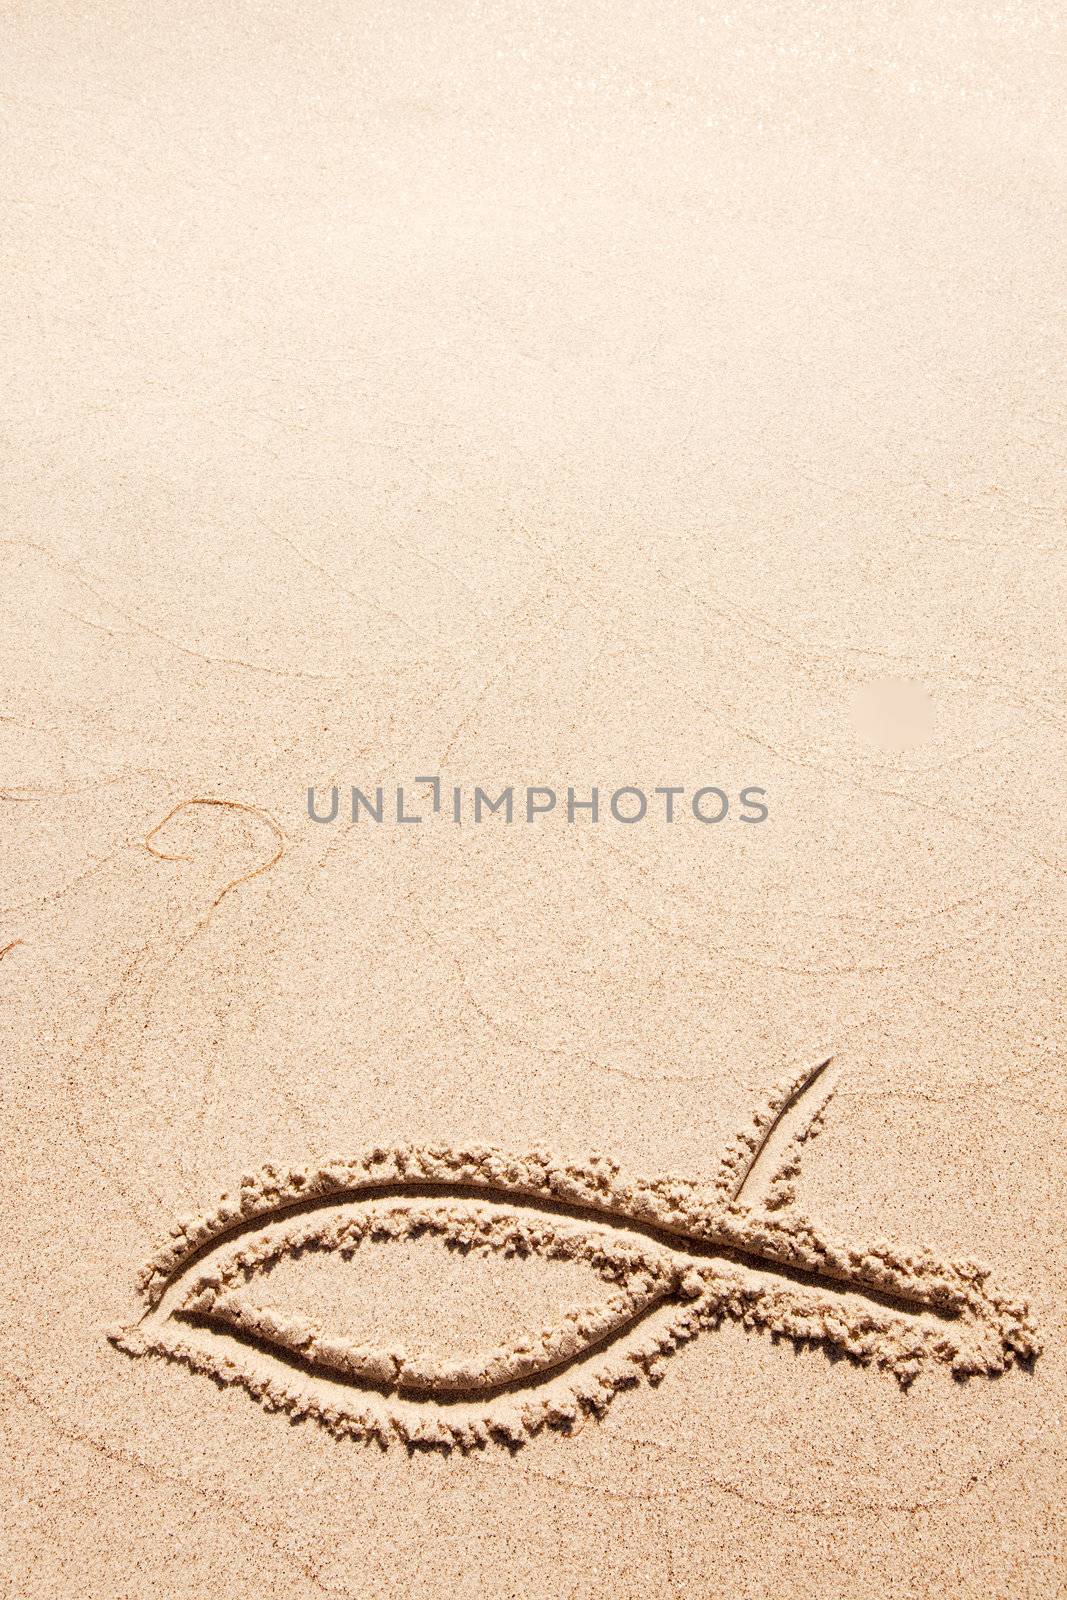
672 1258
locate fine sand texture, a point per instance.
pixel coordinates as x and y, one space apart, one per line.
525 1200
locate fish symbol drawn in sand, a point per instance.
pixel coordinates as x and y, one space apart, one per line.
670 1258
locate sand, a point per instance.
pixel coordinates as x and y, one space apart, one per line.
532 1199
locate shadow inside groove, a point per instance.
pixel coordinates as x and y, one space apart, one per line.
697 1250
534 1380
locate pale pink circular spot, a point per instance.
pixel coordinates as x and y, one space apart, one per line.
893 713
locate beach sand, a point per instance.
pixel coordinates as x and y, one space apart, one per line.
522 397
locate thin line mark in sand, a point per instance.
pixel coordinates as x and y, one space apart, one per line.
129 1005
214 1502
231 805
206 915
674 1258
